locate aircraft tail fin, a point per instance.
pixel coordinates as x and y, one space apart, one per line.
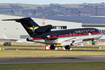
27 23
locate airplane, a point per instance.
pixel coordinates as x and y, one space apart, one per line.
67 37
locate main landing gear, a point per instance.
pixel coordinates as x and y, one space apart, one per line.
93 42
67 47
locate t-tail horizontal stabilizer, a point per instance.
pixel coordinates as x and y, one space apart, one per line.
17 39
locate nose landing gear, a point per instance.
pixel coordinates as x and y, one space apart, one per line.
93 42
52 47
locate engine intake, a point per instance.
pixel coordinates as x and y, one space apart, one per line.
29 39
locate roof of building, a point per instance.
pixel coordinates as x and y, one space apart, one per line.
83 20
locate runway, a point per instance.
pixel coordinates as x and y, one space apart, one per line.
40 60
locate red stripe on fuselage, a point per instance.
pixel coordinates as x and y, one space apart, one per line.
37 38
69 36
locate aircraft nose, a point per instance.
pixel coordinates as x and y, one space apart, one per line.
101 34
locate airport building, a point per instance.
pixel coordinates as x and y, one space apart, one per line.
13 29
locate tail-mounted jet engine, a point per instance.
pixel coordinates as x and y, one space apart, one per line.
29 39
43 29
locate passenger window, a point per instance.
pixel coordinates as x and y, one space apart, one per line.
73 33
81 31
70 34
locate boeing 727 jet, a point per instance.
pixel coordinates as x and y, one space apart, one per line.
67 37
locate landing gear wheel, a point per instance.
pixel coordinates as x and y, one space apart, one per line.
93 43
67 47
52 47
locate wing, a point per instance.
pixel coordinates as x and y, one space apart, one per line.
69 41
24 41
5 37
78 40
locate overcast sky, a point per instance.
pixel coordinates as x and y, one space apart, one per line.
52 1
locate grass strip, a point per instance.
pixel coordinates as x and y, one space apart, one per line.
45 53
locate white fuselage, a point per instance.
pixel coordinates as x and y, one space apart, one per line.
60 39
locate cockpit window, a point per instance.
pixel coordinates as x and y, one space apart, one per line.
97 30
